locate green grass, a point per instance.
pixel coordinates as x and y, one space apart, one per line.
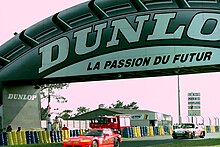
37 145
176 143
185 143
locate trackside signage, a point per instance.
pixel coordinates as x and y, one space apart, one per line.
145 42
138 42
25 97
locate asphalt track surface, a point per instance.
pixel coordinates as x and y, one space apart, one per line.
151 141
155 140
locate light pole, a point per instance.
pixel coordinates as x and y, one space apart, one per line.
179 112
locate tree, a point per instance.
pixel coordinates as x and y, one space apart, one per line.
132 105
66 114
120 104
81 110
44 113
48 91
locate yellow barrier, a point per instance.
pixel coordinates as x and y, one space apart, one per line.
62 134
44 133
212 129
65 134
161 130
68 133
40 133
170 130
14 137
23 136
81 131
48 136
151 131
10 139
138 132
19 138
135 131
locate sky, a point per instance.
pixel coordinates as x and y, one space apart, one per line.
157 94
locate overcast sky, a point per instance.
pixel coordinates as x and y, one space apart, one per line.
157 94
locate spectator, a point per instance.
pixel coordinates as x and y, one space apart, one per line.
9 128
64 127
60 125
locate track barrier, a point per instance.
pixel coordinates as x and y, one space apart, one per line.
39 137
161 130
170 130
216 128
212 129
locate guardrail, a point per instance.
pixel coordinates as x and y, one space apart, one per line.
39 137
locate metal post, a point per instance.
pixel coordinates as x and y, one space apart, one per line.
203 122
188 118
49 114
210 122
179 112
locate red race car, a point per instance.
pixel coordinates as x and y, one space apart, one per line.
100 137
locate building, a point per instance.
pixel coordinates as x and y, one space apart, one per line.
138 117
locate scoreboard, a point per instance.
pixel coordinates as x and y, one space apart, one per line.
194 107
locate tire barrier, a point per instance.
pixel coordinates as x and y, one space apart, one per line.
43 137
170 130
65 134
19 138
131 132
1 139
155 130
166 130
135 132
44 134
10 139
40 133
161 130
5 138
126 133
74 133
212 129
36 137
216 128
151 131
52 136
32 137
208 129
58 133
143 131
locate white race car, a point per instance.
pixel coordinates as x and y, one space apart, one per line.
188 130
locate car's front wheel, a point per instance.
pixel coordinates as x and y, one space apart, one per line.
94 144
174 137
202 135
192 135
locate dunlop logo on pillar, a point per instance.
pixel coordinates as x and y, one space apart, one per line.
25 97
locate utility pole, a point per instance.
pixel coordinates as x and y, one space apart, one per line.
179 112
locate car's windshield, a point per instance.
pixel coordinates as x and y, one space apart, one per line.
186 126
94 133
